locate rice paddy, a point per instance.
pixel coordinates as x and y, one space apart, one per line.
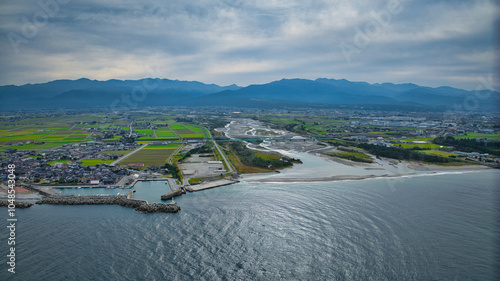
150 157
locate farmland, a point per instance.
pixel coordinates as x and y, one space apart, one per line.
162 146
150 157
117 152
185 131
44 131
472 135
93 162
165 133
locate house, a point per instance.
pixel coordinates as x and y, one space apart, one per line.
108 181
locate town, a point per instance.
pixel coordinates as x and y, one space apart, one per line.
101 149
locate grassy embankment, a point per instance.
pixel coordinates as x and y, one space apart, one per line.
249 161
351 154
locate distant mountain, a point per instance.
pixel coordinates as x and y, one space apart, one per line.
92 93
331 91
84 93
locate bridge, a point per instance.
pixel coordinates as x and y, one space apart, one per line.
248 140
274 139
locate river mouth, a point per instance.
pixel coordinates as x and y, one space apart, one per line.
317 166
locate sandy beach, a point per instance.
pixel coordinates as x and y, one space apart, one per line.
321 168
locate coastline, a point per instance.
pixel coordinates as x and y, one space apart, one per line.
386 168
352 177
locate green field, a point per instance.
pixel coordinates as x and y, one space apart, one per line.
145 131
39 146
5 137
198 130
192 135
56 134
194 128
165 134
268 156
59 161
352 155
114 138
177 126
75 138
162 146
472 135
150 157
93 162
438 152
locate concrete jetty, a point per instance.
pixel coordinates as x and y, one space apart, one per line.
176 190
130 194
211 184
175 193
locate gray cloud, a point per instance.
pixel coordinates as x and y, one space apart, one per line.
431 43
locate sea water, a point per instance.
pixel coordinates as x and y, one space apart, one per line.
439 227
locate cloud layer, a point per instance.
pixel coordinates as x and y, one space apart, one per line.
427 42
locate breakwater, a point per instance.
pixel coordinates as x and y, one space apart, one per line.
122 200
18 204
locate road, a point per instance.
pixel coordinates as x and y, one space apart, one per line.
175 153
229 165
130 134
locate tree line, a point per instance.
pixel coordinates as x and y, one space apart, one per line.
470 145
402 154
250 158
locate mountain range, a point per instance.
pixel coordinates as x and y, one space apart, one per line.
85 93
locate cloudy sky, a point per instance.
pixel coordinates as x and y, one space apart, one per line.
428 42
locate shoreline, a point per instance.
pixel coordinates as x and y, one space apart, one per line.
415 169
351 177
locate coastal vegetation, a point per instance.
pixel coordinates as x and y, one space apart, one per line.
264 161
173 170
403 154
351 154
470 145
